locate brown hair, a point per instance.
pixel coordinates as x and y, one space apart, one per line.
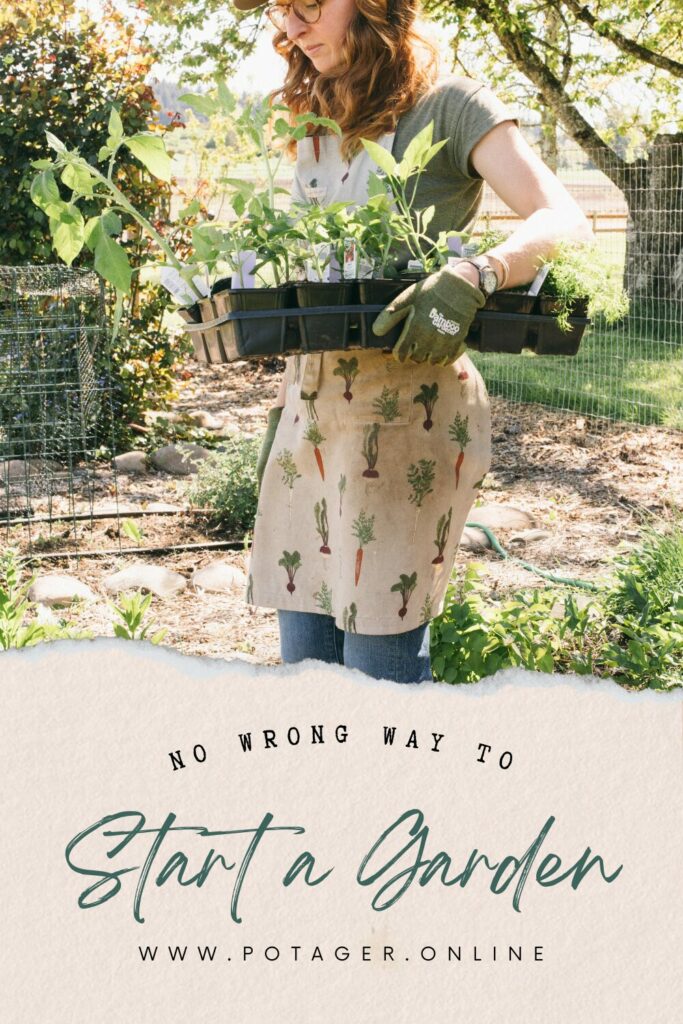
386 65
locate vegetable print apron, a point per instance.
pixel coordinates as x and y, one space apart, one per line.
374 467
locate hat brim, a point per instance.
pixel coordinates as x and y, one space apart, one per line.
248 5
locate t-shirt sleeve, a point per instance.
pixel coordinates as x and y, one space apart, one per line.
481 112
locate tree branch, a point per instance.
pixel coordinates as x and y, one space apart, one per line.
515 43
622 42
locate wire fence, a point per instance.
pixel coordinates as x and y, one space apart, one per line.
54 397
633 369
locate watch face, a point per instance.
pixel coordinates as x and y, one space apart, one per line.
489 281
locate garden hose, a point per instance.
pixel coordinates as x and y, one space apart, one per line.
532 568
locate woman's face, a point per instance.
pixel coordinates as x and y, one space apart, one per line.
322 41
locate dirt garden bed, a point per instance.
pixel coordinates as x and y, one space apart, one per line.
586 485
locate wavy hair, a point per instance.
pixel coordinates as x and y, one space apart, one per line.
386 66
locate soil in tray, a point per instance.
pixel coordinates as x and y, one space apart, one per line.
327 332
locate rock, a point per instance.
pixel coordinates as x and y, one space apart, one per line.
180 459
530 536
153 578
16 470
219 578
205 420
503 517
152 415
131 462
474 540
53 589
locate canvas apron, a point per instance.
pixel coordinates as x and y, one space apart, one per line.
374 467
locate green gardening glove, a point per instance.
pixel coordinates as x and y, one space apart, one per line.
274 416
438 313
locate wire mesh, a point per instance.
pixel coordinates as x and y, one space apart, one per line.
54 394
631 370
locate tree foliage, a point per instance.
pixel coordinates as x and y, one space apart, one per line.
62 72
603 69
204 35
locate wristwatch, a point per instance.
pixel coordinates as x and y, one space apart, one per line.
488 278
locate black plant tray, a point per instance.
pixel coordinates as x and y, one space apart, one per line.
508 332
288 332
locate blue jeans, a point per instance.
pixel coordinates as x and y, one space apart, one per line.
402 657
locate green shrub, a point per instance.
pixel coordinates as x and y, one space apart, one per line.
142 361
645 607
226 486
475 636
631 630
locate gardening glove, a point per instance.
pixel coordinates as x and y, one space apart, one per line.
438 312
274 416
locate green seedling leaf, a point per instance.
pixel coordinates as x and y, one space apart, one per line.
55 143
41 165
433 150
428 217
416 149
382 157
111 222
115 128
104 154
79 179
376 187
243 186
200 104
108 223
111 262
191 210
45 191
225 97
68 233
151 151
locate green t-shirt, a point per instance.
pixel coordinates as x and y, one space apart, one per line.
463 111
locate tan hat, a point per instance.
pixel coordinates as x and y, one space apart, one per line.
248 5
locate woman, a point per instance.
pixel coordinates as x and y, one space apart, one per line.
372 460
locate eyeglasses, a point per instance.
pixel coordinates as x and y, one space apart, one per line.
305 10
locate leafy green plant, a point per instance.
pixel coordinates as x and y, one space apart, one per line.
645 608
131 611
226 486
581 270
475 637
398 181
19 626
62 70
630 630
130 529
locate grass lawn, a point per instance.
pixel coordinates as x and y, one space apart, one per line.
627 372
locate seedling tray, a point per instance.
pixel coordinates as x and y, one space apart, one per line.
264 333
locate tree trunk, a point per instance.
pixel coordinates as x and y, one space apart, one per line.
549 138
551 35
654 235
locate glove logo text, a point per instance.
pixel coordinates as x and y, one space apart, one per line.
443 325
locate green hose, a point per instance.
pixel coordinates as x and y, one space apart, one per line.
532 568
